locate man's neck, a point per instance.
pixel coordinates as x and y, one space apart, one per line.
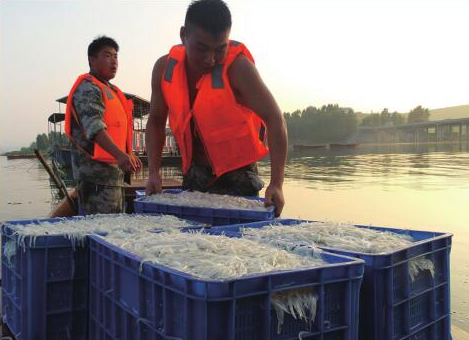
94 74
192 76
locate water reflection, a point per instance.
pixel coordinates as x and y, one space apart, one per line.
418 166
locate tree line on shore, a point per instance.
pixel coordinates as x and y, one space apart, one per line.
329 123
332 123
43 143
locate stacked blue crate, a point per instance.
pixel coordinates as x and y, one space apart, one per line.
135 302
392 306
45 287
212 216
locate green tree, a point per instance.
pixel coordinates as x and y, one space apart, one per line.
32 146
42 142
397 118
321 125
372 119
58 139
382 119
418 114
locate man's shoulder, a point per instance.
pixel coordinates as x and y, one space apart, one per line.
162 59
158 70
87 88
160 63
241 62
242 70
87 92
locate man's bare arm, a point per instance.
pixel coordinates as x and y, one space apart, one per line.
156 128
251 92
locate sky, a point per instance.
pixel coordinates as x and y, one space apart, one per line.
367 55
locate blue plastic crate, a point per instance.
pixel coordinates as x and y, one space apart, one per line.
141 193
45 287
212 216
128 301
392 307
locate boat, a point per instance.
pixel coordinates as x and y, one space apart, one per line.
300 147
20 155
60 156
166 160
171 153
61 151
343 145
66 209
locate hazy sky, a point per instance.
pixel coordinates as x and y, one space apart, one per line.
361 54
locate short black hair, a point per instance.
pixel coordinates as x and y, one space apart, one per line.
213 16
100 42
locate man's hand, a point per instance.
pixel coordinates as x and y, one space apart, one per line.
126 163
153 184
137 162
274 196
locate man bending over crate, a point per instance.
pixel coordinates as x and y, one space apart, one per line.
219 109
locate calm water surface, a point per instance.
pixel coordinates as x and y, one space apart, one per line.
422 187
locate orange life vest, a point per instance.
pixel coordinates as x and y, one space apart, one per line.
117 117
232 135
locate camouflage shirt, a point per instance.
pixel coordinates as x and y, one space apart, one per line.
89 106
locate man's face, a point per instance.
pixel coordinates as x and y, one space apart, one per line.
105 63
203 49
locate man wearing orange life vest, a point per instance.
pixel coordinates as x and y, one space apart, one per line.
98 121
219 111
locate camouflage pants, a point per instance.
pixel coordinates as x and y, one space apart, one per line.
99 199
241 182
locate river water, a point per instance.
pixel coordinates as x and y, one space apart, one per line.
422 187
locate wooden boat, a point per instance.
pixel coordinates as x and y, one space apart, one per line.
61 156
300 147
20 155
343 145
65 209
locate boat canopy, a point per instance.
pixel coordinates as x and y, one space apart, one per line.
56 118
141 106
